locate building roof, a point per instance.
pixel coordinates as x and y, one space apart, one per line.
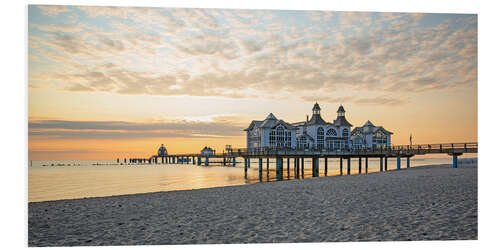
270 122
368 123
253 124
298 123
316 120
341 122
369 128
304 134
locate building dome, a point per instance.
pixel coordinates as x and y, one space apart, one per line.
316 107
341 109
162 151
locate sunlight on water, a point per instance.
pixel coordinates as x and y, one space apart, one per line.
56 180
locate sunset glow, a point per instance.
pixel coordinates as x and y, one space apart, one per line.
109 82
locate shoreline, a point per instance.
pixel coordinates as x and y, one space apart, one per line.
420 203
465 161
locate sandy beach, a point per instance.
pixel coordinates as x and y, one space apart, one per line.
421 203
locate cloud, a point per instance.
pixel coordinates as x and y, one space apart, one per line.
246 53
52 10
375 100
63 129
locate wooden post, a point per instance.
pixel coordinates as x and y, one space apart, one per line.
267 166
279 168
398 161
302 167
234 161
288 167
348 165
326 166
341 161
246 165
385 165
359 170
407 162
455 160
366 165
206 161
315 166
224 161
381 164
260 169
297 169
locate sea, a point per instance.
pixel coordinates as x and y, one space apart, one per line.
73 179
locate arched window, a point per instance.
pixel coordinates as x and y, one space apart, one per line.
345 133
320 137
331 133
330 138
280 138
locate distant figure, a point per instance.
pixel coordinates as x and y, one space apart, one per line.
162 151
411 140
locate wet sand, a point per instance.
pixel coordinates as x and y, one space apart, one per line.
421 203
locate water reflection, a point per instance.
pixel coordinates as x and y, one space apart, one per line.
77 179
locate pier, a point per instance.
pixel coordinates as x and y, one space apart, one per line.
288 156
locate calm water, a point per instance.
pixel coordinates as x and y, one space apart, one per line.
56 180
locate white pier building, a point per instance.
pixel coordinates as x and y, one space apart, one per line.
316 133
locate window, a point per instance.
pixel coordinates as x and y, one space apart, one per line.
280 137
345 133
320 138
303 143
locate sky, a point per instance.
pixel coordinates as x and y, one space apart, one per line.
109 82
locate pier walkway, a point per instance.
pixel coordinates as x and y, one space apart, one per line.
297 156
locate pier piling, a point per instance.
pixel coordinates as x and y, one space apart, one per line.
385 165
260 169
302 165
366 165
359 170
381 164
408 162
348 165
246 166
267 167
326 166
296 165
398 162
315 166
288 167
341 161
279 168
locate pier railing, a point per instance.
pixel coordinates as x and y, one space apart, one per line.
394 150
